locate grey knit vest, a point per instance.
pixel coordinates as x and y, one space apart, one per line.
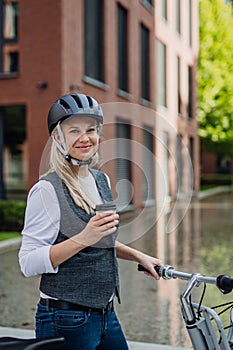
90 277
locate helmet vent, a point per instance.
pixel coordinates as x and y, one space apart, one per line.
77 100
90 101
64 104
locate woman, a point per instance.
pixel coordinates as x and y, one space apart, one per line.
73 247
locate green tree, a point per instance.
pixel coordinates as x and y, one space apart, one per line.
215 76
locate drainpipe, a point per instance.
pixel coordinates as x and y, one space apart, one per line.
2 187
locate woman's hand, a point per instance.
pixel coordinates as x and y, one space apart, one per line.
149 262
99 226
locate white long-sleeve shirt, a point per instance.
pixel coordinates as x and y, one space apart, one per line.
41 226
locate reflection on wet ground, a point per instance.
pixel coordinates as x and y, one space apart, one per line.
192 238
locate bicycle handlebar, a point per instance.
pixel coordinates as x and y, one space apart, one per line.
223 282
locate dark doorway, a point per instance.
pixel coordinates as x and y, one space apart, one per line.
13 152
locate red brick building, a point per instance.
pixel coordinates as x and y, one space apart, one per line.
104 48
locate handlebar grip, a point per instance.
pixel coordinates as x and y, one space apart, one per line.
224 283
157 269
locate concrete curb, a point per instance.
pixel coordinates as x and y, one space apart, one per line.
10 244
148 346
27 333
16 332
214 191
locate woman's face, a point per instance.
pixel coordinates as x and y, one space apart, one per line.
81 136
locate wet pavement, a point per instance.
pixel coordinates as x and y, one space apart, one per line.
200 240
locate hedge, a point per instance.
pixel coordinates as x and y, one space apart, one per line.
12 215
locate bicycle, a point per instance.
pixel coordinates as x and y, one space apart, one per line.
204 325
11 343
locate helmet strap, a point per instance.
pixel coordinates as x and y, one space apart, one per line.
61 146
78 162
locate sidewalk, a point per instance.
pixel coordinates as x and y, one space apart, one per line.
26 333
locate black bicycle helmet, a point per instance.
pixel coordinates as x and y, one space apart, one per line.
73 104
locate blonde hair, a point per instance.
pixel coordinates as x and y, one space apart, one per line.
68 173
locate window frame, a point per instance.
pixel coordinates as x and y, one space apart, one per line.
190 93
161 74
148 164
94 74
178 17
164 10
179 99
8 45
145 49
124 159
122 47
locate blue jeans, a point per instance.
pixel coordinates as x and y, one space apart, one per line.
82 330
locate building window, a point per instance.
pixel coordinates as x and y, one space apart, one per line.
190 93
94 39
164 10
179 165
148 165
122 48
178 19
10 22
123 165
191 153
190 23
11 62
161 74
145 63
149 4
178 88
9 50
165 164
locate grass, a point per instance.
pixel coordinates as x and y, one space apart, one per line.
207 187
8 235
